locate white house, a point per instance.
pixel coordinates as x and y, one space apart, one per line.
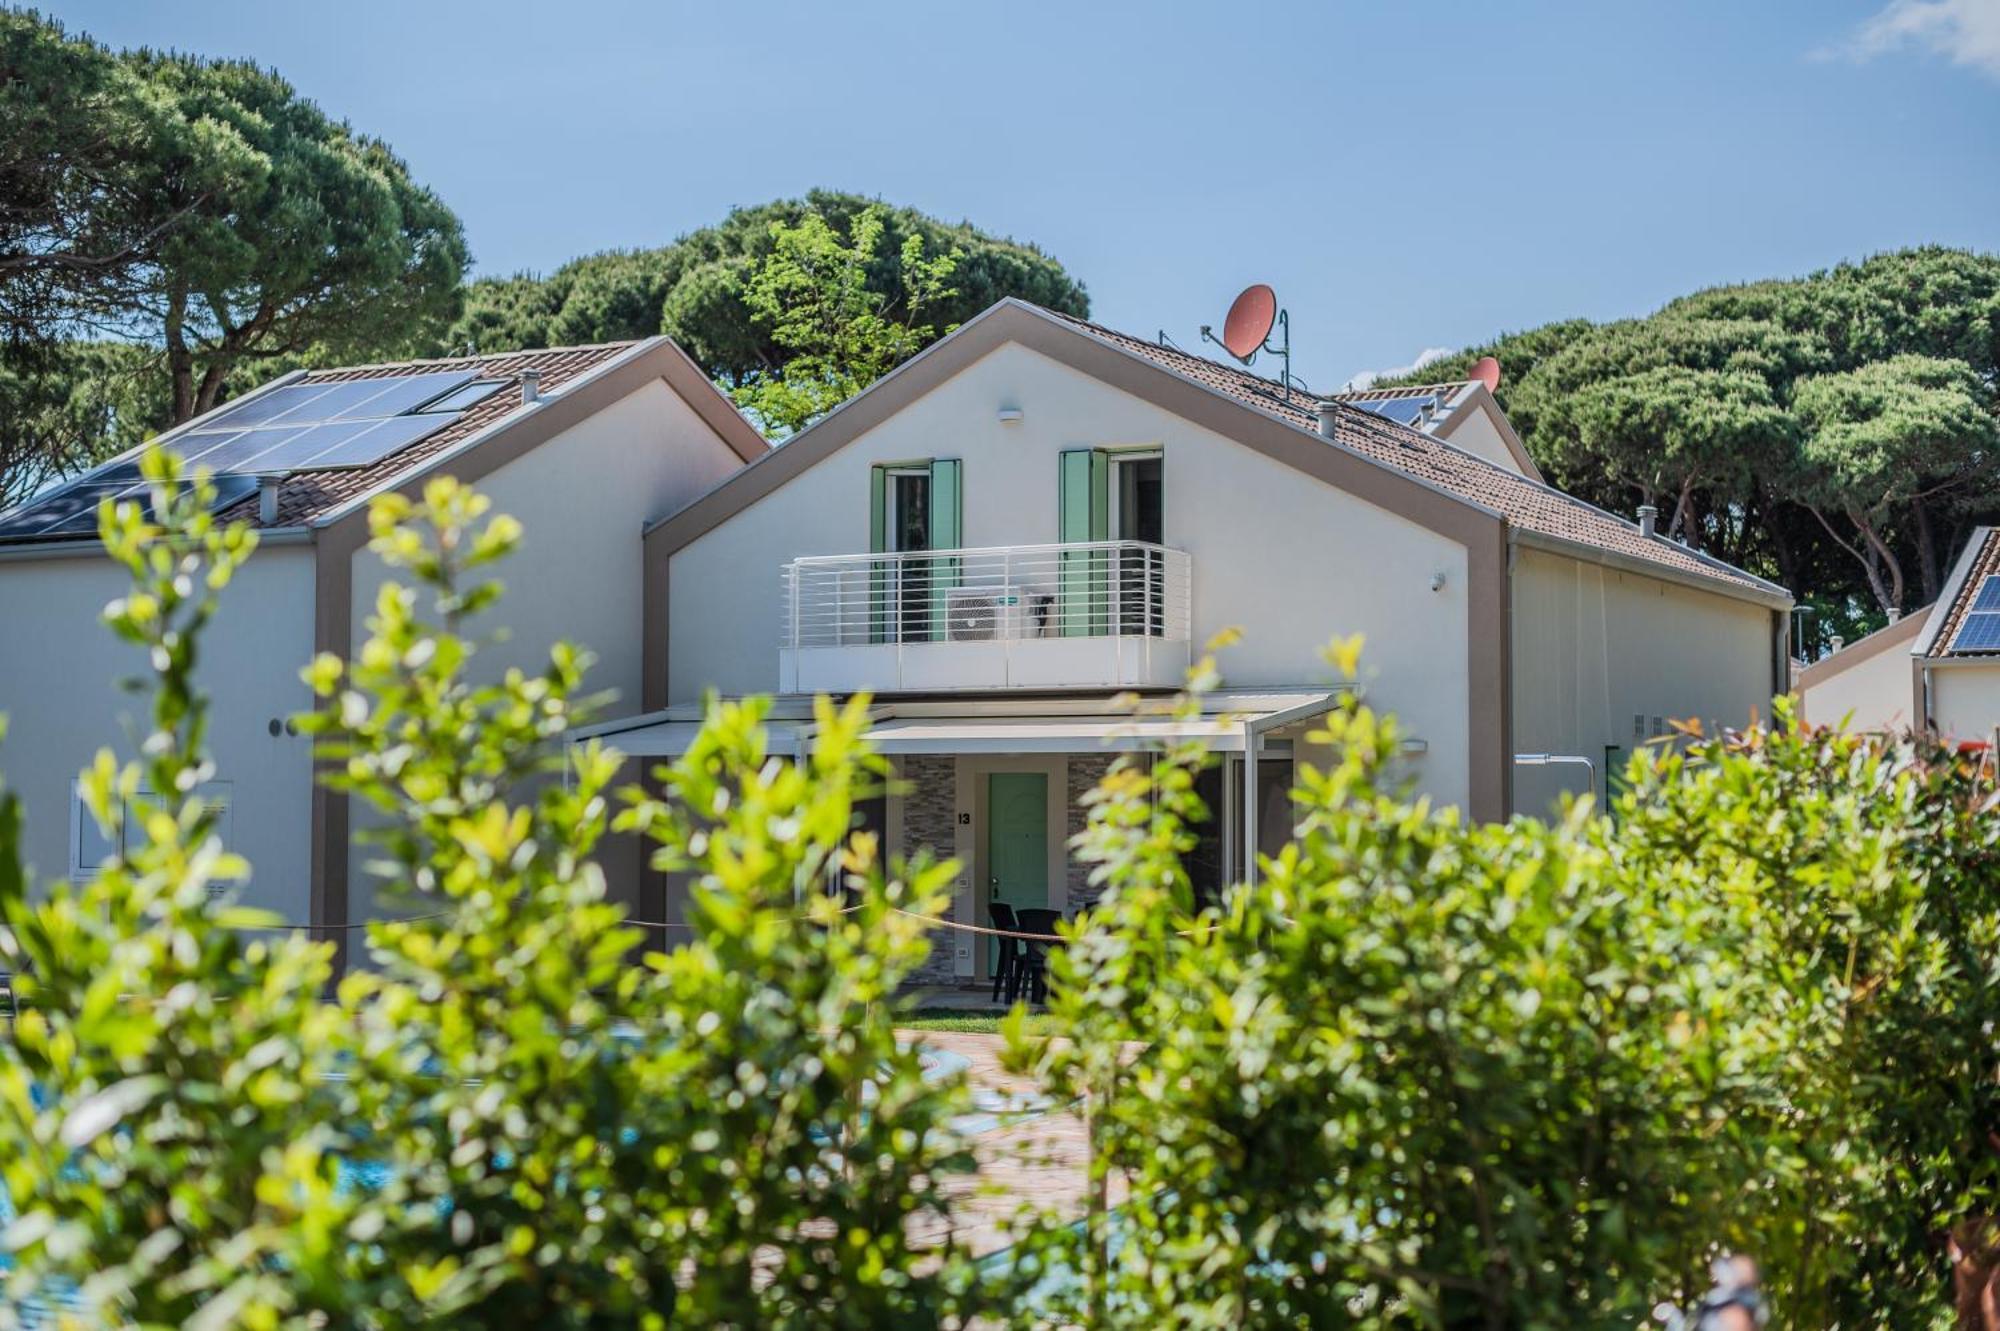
1038 513
1935 668
584 445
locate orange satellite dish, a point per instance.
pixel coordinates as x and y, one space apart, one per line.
1487 372
1249 322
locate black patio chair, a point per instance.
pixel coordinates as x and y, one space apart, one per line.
1010 949
1031 973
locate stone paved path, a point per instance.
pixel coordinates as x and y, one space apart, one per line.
1036 1158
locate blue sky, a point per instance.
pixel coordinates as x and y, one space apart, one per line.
1406 174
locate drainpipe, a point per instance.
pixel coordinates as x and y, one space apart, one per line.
1253 743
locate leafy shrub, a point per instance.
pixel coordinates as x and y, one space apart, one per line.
501 1122
1427 1073
165 1135
1853 887
1424 1073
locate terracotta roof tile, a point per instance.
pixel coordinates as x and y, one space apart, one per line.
1526 504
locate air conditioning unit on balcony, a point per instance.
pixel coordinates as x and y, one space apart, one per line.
983 614
971 616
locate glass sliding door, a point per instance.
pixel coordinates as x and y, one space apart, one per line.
910 533
1138 513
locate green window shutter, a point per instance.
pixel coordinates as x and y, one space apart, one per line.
947 533
879 577
1085 495
878 510
947 504
1084 514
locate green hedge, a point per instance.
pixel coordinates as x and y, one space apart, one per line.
1425 1073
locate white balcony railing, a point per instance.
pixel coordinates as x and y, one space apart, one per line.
1082 614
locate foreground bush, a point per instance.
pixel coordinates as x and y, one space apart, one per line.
1432 1074
1422 1074
499 1122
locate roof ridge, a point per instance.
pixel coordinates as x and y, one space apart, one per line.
477 357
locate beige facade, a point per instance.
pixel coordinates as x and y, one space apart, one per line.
1965 699
59 669
1867 685
1606 659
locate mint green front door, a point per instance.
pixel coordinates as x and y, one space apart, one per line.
1017 843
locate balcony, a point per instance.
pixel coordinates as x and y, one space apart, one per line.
1087 615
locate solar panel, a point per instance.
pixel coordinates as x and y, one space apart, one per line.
407 392
353 399
353 423
72 511
1979 633
1402 410
237 450
469 396
263 407
360 443
1989 593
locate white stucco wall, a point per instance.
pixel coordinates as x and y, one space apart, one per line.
1874 692
59 674
1288 559
1965 699
1595 648
583 499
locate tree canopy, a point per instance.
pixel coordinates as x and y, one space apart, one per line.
697 290
1835 432
203 212
811 294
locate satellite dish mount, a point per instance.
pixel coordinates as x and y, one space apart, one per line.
1253 317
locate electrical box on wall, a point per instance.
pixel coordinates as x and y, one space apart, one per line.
962 909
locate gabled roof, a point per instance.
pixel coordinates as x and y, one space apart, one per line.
1897 635
311 496
304 496
1947 621
1529 506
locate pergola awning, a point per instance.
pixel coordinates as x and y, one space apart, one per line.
1228 723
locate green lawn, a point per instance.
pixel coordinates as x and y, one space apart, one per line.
969 1023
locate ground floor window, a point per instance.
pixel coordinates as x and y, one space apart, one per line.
90 849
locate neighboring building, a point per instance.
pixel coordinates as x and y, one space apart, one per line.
1940 664
1038 513
1464 414
584 445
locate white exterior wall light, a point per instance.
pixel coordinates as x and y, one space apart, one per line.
1010 415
